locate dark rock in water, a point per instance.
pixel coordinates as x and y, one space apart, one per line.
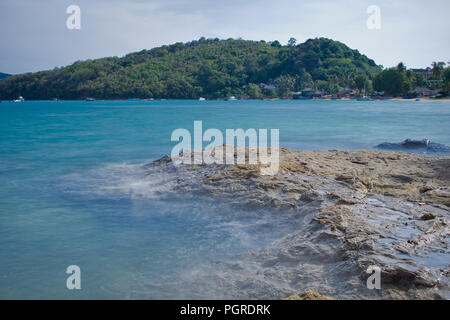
407 144
164 163
417 145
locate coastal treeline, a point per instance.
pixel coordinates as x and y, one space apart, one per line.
209 68
214 69
402 81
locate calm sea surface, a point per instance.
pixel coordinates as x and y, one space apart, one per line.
73 192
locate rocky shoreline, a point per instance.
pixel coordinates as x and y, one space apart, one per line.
358 208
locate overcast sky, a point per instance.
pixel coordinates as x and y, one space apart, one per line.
34 35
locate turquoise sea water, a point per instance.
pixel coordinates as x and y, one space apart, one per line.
73 190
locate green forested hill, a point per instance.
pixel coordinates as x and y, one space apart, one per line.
4 75
210 68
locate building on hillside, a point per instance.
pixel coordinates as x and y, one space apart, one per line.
346 93
269 86
319 94
421 92
377 95
308 94
426 73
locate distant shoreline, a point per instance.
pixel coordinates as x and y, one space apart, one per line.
447 99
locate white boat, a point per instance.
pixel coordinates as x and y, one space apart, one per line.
201 99
19 99
232 98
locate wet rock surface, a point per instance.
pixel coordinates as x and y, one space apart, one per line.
357 209
308 295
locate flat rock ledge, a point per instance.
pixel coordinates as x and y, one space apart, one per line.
358 209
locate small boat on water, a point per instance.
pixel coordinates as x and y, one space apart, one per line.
364 99
201 99
231 98
90 99
19 99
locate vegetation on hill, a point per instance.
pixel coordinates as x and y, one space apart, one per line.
4 75
399 80
210 68
214 69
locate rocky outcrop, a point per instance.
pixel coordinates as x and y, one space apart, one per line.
358 209
424 145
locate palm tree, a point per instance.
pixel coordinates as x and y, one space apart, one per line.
401 67
437 69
